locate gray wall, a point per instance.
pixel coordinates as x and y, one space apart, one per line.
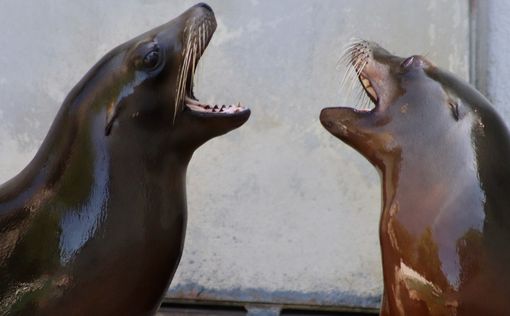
279 210
492 47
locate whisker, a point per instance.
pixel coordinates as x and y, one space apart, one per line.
356 66
345 77
196 38
353 83
204 29
201 42
183 76
194 59
349 82
354 59
362 67
345 57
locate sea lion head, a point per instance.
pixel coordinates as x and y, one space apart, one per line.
143 89
416 105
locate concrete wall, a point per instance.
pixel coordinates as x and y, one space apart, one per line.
279 210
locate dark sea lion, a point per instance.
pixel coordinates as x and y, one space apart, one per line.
95 224
443 154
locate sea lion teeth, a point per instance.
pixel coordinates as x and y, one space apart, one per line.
371 91
232 108
365 82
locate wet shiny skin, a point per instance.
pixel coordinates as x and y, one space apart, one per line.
445 222
95 224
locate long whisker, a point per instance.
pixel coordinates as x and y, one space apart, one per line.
362 67
194 60
354 59
196 35
200 38
182 76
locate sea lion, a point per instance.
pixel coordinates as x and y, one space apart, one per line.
443 155
95 224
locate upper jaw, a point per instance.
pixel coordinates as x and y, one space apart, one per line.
369 80
370 88
198 33
361 63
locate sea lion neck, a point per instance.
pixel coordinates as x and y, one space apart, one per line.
67 148
410 170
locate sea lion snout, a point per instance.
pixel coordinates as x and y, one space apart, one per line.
337 120
325 119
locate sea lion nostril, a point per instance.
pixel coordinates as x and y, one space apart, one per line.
205 6
327 124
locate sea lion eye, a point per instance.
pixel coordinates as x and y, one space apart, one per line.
455 108
147 56
151 59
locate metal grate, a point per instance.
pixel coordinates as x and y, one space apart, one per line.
190 309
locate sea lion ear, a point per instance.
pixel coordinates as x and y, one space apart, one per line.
111 115
456 108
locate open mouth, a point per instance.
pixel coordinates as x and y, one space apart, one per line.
199 33
358 56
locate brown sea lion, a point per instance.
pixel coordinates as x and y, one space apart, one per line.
95 224
443 154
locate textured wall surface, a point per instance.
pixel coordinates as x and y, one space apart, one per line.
279 210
